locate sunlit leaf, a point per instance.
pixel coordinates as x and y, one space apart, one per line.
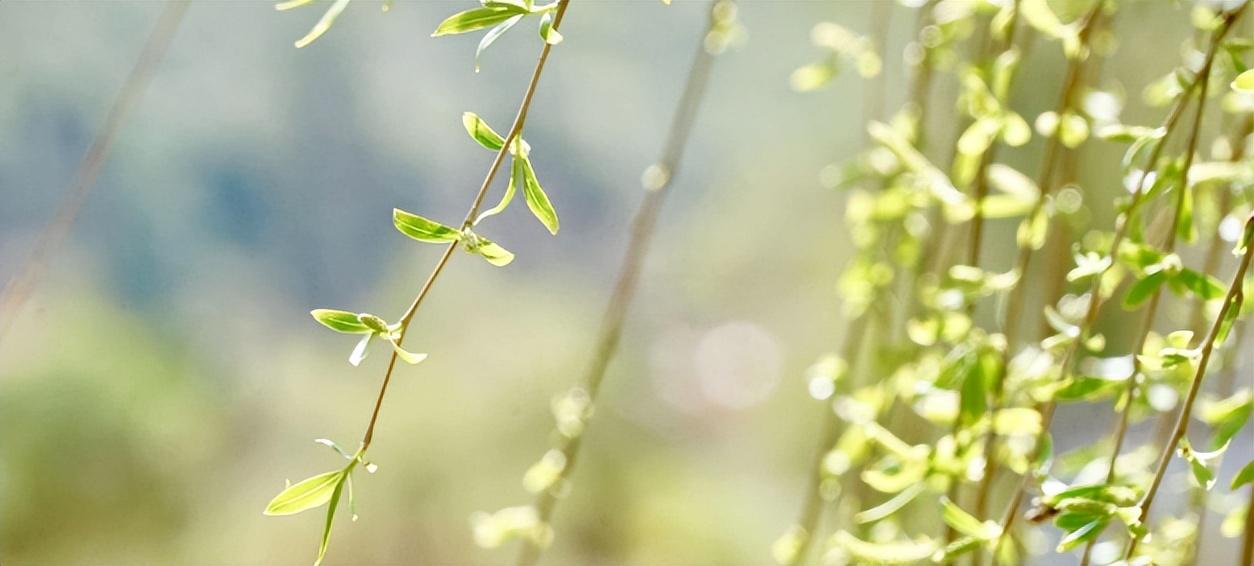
478 18
537 201
422 229
492 35
481 132
340 321
1246 475
305 495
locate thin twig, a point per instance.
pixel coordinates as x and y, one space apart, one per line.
1121 228
24 282
1232 300
515 130
642 231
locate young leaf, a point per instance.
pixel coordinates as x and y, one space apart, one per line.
1246 475
495 254
324 23
340 321
489 250
964 522
359 351
481 132
410 358
491 36
516 179
1143 289
537 201
326 530
548 33
422 229
478 18
305 495
1244 82
1081 535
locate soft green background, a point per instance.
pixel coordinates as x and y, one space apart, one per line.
166 379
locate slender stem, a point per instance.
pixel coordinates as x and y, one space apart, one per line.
1121 230
1232 300
20 287
642 230
520 120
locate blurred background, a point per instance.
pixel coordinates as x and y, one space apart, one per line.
166 378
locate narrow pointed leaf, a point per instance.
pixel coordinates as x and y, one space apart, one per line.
516 179
359 351
340 321
492 35
477 19
481 132
304 495
423 229
324 23
537 201
326 530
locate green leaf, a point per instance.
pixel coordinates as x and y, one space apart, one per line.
335 503
478 18
489 250
409 357
1143 289
537 201
324 23
340 321
890 506
964 522
892 552
1244 82
1202 285
1230 317
481 132
305 495
491 36
1227 417
1198 462
495 254
1246 475
1081 535
516 179
422 229
548 33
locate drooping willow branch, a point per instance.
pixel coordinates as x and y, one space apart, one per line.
1147 322
27 277
1218 331
328 487
1096 300
657 181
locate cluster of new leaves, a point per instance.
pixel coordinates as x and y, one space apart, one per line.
990 396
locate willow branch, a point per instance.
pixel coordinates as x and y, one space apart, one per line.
520 120
1232 300
1121 230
